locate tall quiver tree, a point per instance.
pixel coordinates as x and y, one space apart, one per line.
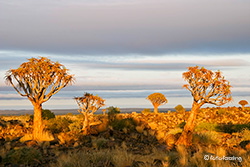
205 87
157 99
88 105
38 80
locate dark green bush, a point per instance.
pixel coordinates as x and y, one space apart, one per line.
46 115
232 128
112 111
124 123
25 156
60 124
181 125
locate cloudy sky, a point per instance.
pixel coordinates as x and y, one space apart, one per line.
126 50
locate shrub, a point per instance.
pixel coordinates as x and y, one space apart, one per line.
25 156
146 111
59 124
231 128
180 109
181 125
124 123
221 111
99 142
206 138
112 111
206 126
245 134
76 126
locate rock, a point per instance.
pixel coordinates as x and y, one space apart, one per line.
170 139
76 144
160 135
153 125
26 137
125 130
151 132
7 146
139 129
31 143
136 120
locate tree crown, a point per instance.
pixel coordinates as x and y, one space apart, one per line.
207 86
243 102
89 102
37 77
157 99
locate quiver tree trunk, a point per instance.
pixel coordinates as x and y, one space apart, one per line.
187 134
86 126
156 108
37 122
243 107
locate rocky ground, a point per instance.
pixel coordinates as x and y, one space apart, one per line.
136 133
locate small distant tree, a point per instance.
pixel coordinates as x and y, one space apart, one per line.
243 103
112 111
157 99
205 87
38 80
180 109
88 105
146 111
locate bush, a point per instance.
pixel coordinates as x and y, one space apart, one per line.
46 115
124 123
180 109
181 125
58 125
146 111
112 111
76 126
206 126
99 143
25 156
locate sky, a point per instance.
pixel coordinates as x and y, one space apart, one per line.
126 50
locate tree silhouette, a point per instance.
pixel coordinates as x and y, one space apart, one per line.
88 105
38 80
157 99
243 103
205 87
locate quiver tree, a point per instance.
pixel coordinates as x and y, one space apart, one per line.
88 105
205 87
243 103
38 80
157 99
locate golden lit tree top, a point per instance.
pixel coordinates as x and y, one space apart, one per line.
207 86
89 102
39 79
157 99
243 102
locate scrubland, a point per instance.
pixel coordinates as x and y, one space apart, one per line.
138 140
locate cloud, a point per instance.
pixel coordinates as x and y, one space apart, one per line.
118 27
